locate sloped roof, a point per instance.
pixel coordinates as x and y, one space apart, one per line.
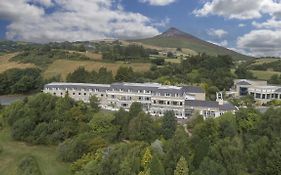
243 82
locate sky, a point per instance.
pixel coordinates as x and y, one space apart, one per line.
248 26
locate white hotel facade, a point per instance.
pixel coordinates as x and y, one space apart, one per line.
155 98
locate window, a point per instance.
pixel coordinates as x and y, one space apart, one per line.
85 94
154 101
175 103
263 96
161 102
79 93
258 95
167 94
180 103
140 98
73 93
112 96
55 93
168 103
101 95
61 93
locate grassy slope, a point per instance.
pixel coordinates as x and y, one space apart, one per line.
5 64
264 75
14 151
63 67
197 46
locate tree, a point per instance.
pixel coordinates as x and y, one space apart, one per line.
156 166
80 75
94 103
169 124
182 167
135 109
125 74
141 128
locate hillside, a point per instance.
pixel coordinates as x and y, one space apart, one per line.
174 38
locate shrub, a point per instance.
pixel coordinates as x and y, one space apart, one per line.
28 166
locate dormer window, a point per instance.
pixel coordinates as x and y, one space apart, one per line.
167 94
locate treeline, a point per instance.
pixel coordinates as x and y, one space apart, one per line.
104 76
45 55
15 81
118 52
127 143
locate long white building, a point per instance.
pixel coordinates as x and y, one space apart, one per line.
155 98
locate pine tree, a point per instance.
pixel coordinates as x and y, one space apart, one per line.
182 167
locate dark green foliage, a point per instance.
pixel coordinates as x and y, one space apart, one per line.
175 148
122 120
45 119
156 167
28 166
169 125
1 149
141 128
275 79
243 72
130 52
81 75
94 103
20 81
247 142
158 61
125 74
44 56
135 109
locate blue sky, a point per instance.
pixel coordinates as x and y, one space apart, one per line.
248 26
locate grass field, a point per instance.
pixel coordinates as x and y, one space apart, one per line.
5 64
14 151
64 67
264 61
264 75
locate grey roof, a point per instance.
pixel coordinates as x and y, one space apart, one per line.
192 89
243 82
227 107
134 87
201 103
79 86
278 90
210 104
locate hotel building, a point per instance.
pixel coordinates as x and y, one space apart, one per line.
155 98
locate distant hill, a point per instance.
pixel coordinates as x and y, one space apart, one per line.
174 38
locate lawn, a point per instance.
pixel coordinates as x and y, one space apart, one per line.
14 151
264 75
64 67
5 64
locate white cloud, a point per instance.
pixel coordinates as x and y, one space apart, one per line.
73 20
269 24
158 2
18 10
240 9
219 33
261 42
